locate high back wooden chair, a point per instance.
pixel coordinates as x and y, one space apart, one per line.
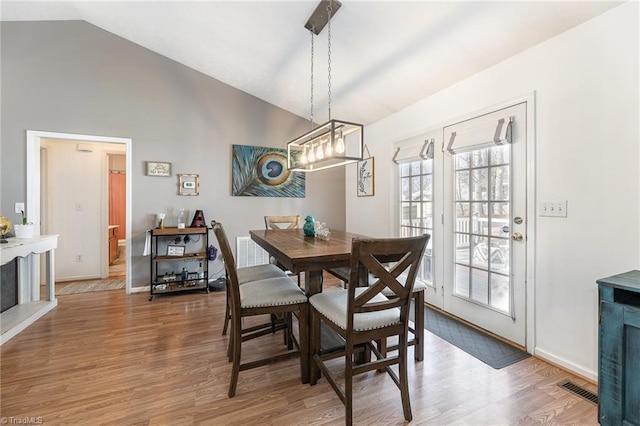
363 315
282 222
270 296
416 330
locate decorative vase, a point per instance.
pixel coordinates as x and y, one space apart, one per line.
309 227
24 231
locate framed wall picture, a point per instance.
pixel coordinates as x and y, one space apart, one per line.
259 171
366 177
188 184
156 168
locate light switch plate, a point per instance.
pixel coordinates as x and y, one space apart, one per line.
553 208
19 207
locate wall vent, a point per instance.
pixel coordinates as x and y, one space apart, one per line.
248 253
580 391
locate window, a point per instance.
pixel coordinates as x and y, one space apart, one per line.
416 208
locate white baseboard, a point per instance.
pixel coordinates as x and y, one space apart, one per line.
567 365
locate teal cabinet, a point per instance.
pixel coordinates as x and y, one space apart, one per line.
619 350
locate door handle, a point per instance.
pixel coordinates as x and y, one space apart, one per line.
516 236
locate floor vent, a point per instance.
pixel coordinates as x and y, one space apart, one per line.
580 391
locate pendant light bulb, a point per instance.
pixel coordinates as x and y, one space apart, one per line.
312 156
328 151
340 148
319 152
303 157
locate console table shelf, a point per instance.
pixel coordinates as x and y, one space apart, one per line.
186 267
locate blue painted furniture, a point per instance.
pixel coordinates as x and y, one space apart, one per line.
619 350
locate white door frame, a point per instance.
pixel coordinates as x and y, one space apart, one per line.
34 138
530 297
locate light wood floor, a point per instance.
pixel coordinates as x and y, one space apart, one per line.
109 358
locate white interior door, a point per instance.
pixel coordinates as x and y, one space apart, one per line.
485 224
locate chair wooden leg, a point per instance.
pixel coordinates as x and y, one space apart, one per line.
418 348
314 345
236 338
348 386
404 379
303 332
288 332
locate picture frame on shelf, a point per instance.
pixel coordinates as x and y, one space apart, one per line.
176 251
158 168
188 184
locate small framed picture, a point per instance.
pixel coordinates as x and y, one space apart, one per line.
188 184
366 178
175 250
156 168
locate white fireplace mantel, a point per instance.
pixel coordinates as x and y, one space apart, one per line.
29 308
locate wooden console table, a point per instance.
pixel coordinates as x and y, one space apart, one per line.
29 308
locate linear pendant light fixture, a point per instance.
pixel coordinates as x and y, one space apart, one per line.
336 142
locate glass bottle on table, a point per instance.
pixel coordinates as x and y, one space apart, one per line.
181 220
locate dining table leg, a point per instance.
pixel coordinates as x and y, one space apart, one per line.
313 282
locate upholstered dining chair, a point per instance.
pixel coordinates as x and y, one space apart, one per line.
417 330
249 274
268 296
282 222
363 315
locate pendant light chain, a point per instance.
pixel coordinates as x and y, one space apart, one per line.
329 10
312 35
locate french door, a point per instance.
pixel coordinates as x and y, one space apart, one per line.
485 224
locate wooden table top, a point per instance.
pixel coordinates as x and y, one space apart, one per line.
299 253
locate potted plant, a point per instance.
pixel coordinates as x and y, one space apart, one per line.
25 230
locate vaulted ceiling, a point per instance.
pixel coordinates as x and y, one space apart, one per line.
385 55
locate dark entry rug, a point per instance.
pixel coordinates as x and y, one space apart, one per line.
487 349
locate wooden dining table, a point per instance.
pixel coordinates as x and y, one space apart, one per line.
299 253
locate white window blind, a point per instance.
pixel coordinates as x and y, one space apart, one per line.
481 134
415 152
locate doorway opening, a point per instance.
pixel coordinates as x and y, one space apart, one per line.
86 218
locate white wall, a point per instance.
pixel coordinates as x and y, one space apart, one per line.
72 77
587 152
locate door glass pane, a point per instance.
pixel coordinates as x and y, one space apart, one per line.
405 193
480 286
461 161
462 185
462 285
480 218
499 183
480 252
415 188
479 183
427 189
500 219
500 292
500 249
479 158
416 208
500 154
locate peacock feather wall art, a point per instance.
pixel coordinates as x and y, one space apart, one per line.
259 171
